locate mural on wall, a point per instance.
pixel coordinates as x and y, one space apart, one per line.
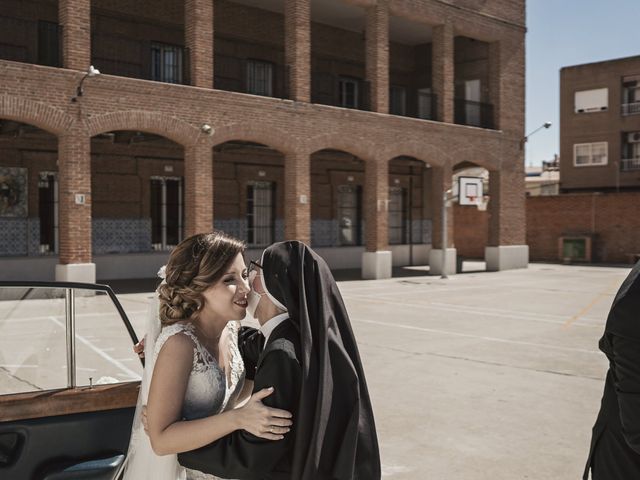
13 192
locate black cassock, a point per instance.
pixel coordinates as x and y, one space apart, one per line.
313 362
615 444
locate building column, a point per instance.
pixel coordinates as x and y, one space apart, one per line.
74 173
377 55
297 35
443 61
376 260
441 182
297 197
495 83
198 187
507 220
198 31
74 16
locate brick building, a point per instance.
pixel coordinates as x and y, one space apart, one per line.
337 122
600 126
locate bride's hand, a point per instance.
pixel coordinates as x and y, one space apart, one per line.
262 421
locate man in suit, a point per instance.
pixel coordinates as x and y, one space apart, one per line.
615 444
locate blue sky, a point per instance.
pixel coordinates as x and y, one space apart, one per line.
569 32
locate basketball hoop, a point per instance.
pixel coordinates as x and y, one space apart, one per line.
472 200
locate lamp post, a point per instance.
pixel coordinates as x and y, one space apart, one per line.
525 139
445 199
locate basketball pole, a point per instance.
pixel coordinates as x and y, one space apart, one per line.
445 196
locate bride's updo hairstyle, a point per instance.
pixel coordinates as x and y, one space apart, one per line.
194 265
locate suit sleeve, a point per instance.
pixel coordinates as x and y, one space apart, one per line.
250 344
627 383
240 454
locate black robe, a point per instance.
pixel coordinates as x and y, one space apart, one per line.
615 444
245 456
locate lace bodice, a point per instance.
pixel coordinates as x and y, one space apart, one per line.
208 391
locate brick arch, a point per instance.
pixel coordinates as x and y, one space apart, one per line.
354 145
47 118
429 153
172 128
480 158
269 136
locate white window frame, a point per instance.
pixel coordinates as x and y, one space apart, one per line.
591 147
169 64
163 246
342 85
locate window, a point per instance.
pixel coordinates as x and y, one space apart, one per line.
49 44
48 212
596 100
260 78
260 224
166 212
166 63
631 95
425 104
398 100
349 215
590 154
348 90
397 215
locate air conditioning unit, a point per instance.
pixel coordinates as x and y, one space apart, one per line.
633 137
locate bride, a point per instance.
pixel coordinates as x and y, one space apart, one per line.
194 373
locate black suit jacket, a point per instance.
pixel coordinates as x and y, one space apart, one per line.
615 444
241 455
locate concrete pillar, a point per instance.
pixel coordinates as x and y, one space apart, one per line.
198 31
198 188
377 55
507 247
376 261
74 173
297 197
74 17
441 181
297 34
443 62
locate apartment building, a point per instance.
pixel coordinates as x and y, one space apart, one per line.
600 126
336 122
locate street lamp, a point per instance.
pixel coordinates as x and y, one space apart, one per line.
525 139
92 72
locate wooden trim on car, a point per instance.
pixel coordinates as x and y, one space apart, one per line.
49 403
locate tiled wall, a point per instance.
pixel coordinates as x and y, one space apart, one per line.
121 235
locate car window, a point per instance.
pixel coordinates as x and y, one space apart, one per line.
103 347
32 339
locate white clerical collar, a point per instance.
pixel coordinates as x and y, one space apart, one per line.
271 324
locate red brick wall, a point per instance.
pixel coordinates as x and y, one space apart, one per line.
612 219
471 234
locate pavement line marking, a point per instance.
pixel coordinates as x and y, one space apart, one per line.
47 317
478 337
608 292
18 366
102 354
439 306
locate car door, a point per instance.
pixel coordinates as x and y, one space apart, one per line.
68 381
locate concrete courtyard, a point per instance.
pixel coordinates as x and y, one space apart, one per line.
480 376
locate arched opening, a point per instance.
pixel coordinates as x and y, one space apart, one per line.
28 191
248 192
137 207
471 222
337 216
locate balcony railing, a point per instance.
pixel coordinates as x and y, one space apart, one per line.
17 43
631 108
421 105
628 164
326 91
474 114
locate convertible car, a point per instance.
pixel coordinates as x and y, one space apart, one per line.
69 381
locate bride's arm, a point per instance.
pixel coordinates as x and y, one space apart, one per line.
170 434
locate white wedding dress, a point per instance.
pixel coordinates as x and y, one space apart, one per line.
209 392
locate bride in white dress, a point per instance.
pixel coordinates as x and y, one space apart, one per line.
194 373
